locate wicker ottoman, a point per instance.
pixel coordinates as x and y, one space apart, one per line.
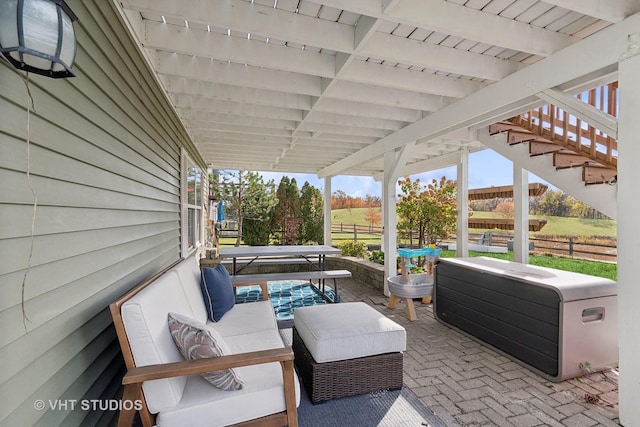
346 349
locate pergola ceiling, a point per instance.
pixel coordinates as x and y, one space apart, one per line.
327 86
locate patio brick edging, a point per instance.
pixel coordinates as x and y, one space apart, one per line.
366 272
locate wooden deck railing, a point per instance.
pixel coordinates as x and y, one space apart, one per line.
567 130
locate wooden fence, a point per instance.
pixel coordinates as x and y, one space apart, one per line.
571 246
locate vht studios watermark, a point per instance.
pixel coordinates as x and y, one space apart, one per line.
88 405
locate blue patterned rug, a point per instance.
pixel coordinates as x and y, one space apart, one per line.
285 296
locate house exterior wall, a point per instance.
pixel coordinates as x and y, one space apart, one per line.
104 163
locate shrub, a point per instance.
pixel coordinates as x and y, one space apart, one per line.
377 257
353 248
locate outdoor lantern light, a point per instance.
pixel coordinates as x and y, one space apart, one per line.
38 36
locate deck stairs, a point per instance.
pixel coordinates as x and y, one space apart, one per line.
563 146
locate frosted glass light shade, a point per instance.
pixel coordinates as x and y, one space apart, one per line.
38 36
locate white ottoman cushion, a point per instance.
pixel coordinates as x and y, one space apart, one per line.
344 331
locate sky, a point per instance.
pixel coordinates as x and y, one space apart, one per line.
486 168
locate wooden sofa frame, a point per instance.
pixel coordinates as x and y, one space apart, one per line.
135 376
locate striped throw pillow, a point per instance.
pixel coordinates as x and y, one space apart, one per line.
196 341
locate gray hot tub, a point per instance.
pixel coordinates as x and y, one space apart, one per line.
550 320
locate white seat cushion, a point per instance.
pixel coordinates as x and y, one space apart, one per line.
263 393
145 320
346 331
189 273
245 319
204 405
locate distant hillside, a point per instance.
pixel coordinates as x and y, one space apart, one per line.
555 225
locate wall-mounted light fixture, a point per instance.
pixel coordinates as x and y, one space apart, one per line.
37 36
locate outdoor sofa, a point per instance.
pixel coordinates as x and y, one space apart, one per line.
170 388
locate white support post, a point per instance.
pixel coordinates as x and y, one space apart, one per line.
520 214
629 234
462 205
389 220
327 210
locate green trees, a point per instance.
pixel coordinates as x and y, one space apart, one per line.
298 218
428 210
251 201
312 215
287 215
558 203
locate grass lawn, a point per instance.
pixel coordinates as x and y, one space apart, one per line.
593 268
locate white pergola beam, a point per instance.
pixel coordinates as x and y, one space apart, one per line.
218 135
235 74
462 204
237 144
359 92
609 10
221 47
433 163
360 141
595 53
311 126
227 107
389 218
255 19
464 22
199 128
362 109
411 80
185 86
345 120
234 119
520 214
401 159
437 57
590 114
629 236
326 208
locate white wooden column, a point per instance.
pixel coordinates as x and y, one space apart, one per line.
520 214
462 205
327 210
629 234
389 219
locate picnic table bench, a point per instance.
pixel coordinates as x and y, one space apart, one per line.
261 279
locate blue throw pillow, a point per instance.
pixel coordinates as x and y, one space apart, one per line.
217 291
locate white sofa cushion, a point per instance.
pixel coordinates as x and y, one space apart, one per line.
346 331
189 274
246 318
262 394
196 341
204 405
145 320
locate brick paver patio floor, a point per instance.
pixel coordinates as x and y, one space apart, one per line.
468 384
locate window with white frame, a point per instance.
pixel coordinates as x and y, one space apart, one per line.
192 204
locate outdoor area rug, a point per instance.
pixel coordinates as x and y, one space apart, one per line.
385 408
285 296
388 408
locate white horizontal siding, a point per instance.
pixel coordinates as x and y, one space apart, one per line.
104 162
